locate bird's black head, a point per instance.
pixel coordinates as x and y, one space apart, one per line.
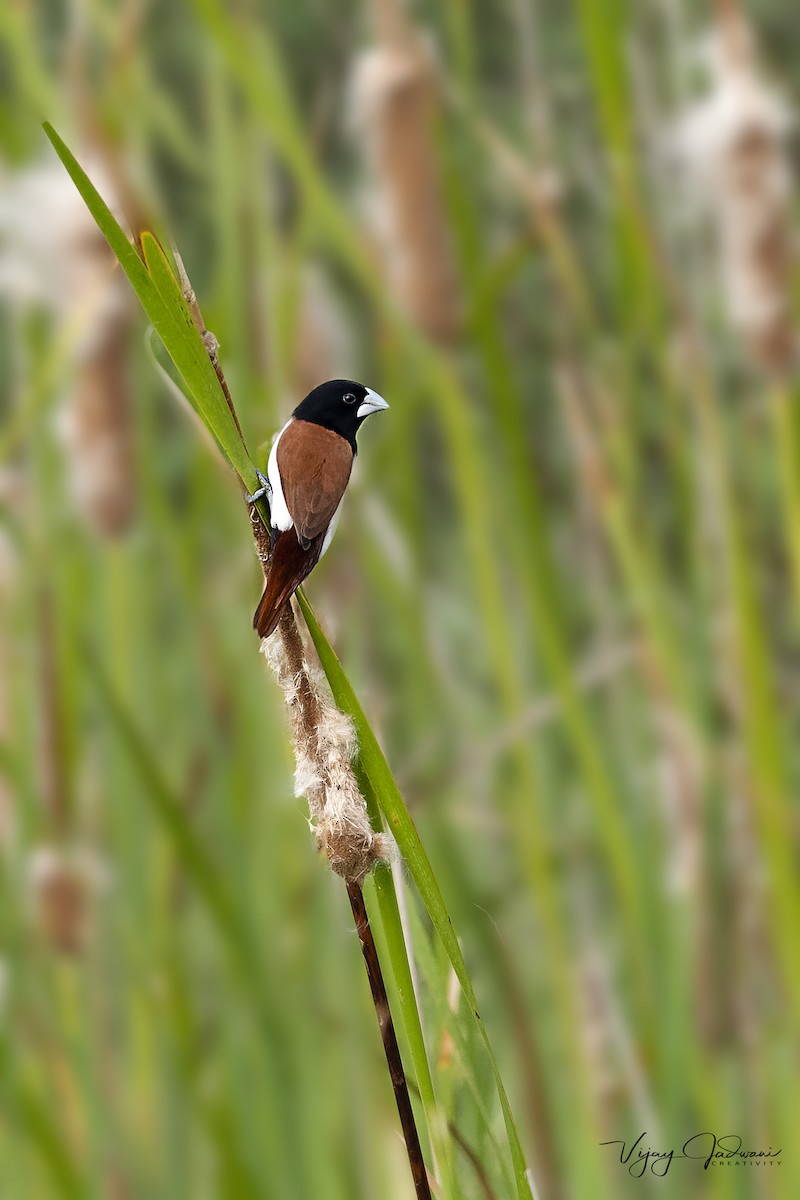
340 405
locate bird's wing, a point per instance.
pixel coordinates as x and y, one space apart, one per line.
289 564
315 465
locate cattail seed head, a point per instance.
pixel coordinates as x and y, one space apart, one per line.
732 145
393 103
325 745
323 346
53 257
64 886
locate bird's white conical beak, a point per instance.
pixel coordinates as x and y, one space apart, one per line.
371 403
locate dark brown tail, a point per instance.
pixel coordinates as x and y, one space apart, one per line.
288 567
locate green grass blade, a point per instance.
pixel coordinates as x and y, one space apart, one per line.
43 1133
155 284
157 793
376 768
157 288
395 946
391 945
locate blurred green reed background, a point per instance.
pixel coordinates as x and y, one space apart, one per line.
559 239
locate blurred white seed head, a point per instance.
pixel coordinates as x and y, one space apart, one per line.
324 342
97 432
596 1029
392 105
64 886
732 147
53 257
678 771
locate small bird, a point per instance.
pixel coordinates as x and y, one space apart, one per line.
308 471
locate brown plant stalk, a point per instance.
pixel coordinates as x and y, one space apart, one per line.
390 1046
394 109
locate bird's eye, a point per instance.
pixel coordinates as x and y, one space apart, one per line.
349 398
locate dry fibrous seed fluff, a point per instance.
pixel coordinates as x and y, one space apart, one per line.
393 105
54 258
100 433
733 144
325 745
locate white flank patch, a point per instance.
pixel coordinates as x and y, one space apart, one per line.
331 530
280 516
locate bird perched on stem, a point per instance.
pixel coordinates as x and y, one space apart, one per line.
308 472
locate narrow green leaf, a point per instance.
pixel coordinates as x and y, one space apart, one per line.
191 357
129 260
158 794
158 290
374 764
395 947
43 1132
7 761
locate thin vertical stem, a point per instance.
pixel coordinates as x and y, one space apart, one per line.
390 1046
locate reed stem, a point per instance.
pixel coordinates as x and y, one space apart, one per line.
390 1046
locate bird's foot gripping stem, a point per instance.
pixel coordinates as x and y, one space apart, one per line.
264 491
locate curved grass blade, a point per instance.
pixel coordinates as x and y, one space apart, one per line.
153 279
158 290
375 767
157 793
43 1133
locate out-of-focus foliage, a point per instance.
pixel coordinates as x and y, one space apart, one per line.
559 239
